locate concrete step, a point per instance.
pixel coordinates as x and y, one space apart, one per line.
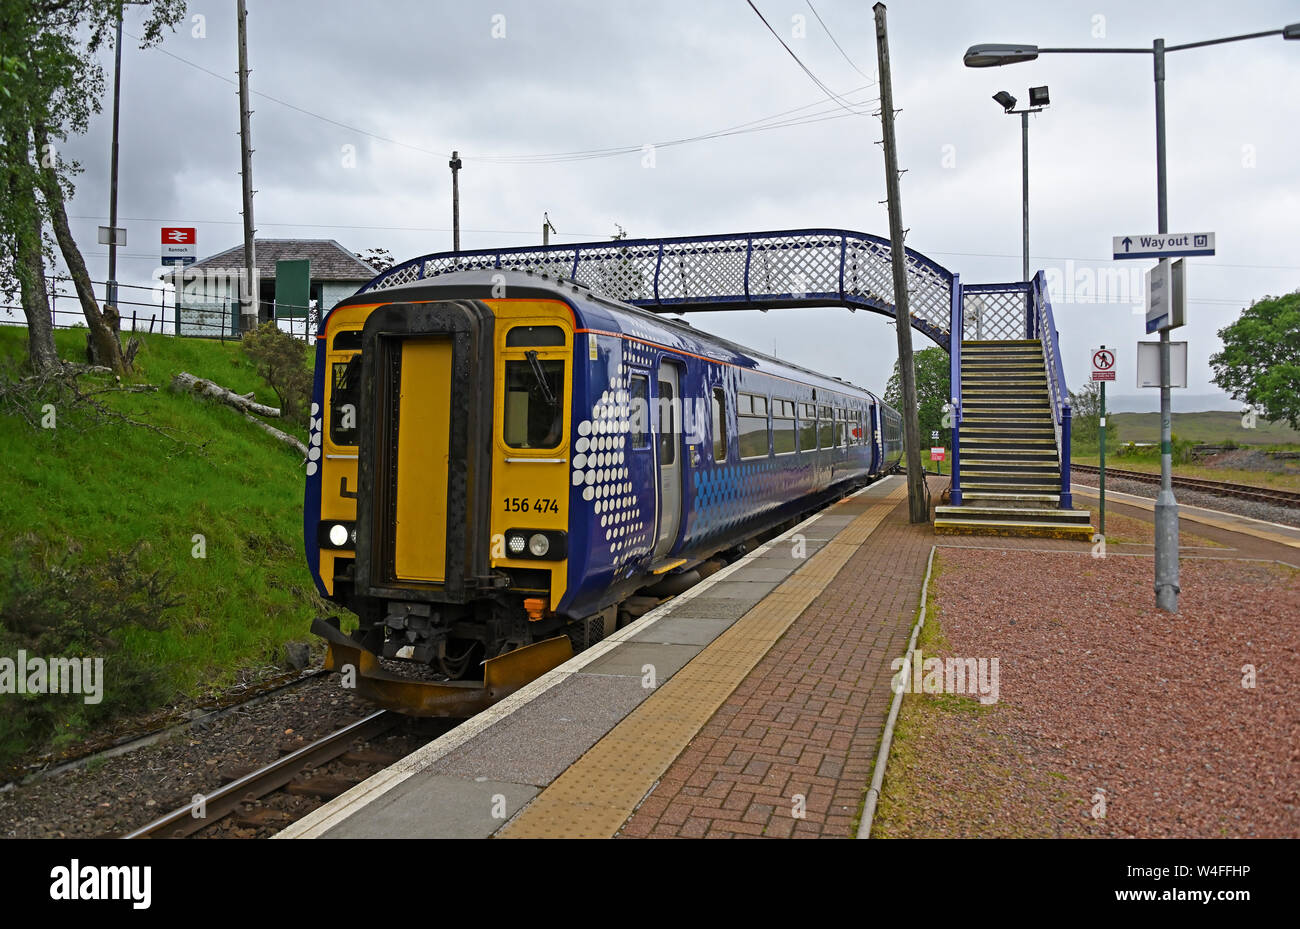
1003 476
1024 528
1004 434
999 497
1009 487
1034 455
973 465
1032 513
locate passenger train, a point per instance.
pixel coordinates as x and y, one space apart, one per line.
500 462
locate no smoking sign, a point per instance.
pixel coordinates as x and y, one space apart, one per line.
1103 365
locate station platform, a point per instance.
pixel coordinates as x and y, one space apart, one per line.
753 704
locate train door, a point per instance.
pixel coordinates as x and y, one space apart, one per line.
668 429
877 450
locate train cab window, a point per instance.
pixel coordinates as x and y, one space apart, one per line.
349 340
534 413
528 336
719 424
807 427
638 392
345 397
783 427
826 427
667 426
751 423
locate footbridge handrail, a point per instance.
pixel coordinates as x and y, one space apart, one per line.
1044 328
753 270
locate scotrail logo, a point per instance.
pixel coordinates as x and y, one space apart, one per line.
976 677
30 674
103 882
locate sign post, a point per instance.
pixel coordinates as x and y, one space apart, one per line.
1103 370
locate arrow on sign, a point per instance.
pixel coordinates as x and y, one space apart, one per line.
1127 242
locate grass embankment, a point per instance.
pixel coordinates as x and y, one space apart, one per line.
88 489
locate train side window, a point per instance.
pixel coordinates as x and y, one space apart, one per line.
345 397
667 428
534 411
719 424
807 427
826 424
842 425
638 389
784 431
752 426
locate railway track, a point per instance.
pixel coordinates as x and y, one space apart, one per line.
1223 488
292 772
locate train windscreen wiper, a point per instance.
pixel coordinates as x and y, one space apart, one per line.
541 379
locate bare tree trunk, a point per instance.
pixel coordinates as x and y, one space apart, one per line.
105 348
29 268
186 381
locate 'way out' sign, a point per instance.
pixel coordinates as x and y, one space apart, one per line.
1163 245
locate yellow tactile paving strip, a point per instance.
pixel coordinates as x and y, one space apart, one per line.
596 795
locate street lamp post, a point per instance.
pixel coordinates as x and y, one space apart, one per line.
1037 102
990 56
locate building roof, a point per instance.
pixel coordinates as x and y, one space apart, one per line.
330 261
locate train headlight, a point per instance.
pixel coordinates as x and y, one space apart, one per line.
340 535
543 544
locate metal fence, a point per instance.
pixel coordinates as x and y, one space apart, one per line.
145 309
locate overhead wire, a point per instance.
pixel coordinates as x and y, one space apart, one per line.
806 70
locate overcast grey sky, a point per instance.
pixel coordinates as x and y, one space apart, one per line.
571 76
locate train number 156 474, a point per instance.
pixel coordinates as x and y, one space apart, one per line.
537 505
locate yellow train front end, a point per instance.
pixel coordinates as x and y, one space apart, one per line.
440 491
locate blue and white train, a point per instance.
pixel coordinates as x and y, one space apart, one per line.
500 460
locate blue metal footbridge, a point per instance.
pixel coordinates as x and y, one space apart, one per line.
791 269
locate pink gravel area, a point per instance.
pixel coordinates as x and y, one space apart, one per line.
1100 690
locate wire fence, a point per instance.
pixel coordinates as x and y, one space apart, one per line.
170 311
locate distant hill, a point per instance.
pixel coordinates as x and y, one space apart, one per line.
1208 427
1149 400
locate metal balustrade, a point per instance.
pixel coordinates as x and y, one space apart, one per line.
758 270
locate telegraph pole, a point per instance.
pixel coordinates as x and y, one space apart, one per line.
110 287
547 229
454 164
917 509
251 297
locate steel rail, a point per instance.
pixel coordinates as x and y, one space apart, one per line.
1223 488
223 801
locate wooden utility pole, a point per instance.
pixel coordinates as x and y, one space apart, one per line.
454 164
918 510
251 298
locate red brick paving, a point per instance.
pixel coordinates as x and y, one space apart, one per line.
807 720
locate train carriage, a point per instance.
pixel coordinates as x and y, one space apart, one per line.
500 460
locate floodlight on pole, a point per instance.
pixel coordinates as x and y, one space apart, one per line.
1005 100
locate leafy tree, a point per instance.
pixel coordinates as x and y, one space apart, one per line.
932 368
282 361
1085 410
53 82
377 258
1260 361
